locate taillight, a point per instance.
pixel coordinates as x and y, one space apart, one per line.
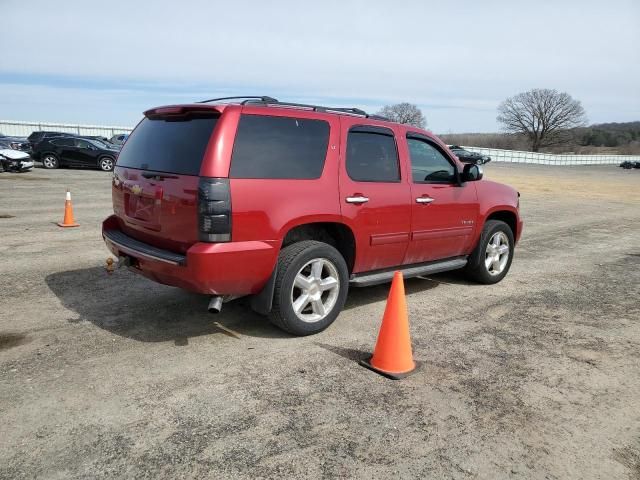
214 210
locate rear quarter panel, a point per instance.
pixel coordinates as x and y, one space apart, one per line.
266 209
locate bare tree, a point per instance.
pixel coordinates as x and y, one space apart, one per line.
544 116
404 113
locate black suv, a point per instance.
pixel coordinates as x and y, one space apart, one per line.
75 152
469 157
40 136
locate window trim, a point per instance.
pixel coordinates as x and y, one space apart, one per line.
429 141
235 138
373 130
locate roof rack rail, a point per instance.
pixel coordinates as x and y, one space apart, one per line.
265 100
380 117
247 97
320 108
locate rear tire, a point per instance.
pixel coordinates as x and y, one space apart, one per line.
491 259
106 164
50 161
311 287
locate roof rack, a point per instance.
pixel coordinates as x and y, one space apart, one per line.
248 97
265 100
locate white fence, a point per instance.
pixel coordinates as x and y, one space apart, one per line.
24 129
514 156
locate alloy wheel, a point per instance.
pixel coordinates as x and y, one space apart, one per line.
315 290
106 164
49 161
497 253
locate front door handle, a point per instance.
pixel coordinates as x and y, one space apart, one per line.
424 200
357 199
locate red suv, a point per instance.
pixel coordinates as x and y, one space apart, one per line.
292 204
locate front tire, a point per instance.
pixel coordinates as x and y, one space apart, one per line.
491 260
311 287
50 161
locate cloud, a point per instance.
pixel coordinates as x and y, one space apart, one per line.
455 61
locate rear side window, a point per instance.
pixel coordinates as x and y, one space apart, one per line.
372 156
279 147
64 142
168 145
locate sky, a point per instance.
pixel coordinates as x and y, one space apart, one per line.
104 63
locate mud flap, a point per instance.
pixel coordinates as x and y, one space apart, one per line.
261 302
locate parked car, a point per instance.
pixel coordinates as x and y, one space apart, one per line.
41 136
469 157
100 138
75 152
293 204
119 139
16 143
628 164
12 160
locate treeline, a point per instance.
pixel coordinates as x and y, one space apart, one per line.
621 138
609 134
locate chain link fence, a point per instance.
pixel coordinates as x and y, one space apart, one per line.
514 156
24 129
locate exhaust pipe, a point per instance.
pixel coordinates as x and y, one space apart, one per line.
215 304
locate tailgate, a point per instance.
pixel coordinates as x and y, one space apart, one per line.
155 184
157 208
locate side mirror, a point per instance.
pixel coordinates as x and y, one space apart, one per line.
471 173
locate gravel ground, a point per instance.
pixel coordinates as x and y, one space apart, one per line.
114 376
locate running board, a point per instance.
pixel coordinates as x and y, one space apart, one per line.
408 271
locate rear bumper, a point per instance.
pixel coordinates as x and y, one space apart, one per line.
233 268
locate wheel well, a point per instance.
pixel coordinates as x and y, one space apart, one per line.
507 217
337 235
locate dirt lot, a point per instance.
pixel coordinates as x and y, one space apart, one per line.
115 376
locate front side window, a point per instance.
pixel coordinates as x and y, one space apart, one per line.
82 144
372 156
279 147
428 163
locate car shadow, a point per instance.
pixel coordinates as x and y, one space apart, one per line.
134 307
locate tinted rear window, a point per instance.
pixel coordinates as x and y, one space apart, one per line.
279 147
35 136
64 142
173 146
372 157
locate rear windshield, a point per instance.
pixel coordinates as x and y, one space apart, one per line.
168 145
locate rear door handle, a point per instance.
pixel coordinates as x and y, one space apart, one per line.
357 199
424 199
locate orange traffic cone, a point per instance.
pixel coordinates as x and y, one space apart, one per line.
68 213
392 356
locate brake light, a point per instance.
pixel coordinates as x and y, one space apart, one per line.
214 210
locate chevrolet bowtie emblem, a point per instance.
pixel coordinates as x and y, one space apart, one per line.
136 190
